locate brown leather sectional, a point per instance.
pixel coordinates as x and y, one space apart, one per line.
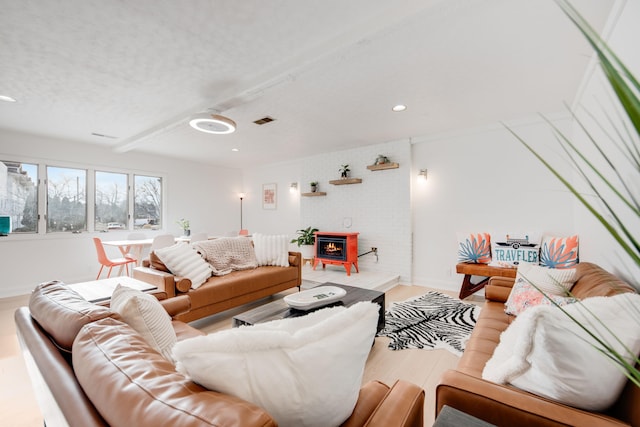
94 370
503 405
221 293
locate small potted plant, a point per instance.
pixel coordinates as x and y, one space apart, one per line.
344 171
314 186
184 224
306 240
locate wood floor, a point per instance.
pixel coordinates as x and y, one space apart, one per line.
422 367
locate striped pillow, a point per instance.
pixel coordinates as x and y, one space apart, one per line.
144 313
271 250
183 260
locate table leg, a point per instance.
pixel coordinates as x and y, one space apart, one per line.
469 288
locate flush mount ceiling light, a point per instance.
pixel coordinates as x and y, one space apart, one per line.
7 98
213 123
399 107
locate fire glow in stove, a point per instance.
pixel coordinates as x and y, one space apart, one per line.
336 248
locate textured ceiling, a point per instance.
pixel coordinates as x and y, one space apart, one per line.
327 71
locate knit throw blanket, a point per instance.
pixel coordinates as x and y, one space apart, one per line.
227 254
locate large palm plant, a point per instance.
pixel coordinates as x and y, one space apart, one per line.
616 184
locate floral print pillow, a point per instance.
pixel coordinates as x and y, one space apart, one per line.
475 248
559 252
524 295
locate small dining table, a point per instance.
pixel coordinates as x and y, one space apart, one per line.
131 248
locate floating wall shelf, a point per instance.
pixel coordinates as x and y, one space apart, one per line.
383 166
316 194
346 181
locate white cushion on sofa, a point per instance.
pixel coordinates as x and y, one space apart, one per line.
271 249
144 313
304 371
544 352
183 260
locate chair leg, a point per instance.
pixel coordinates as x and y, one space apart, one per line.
109 273
99 272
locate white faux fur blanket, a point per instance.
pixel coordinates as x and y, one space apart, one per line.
227 254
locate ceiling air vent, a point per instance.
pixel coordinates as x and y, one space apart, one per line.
264 120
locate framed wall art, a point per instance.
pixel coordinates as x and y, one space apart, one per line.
269 196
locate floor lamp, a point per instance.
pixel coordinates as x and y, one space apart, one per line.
243 232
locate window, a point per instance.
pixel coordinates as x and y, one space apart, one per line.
74 200
19 195
66 199
111 201
147 210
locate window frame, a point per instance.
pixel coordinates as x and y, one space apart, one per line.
41 189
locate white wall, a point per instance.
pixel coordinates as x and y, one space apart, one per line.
482 180
378 208
204 195
285 219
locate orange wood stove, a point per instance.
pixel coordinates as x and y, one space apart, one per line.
336 248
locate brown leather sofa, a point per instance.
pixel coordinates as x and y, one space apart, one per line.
504 405
221 293
91 369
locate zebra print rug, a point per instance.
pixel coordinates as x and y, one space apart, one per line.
433 320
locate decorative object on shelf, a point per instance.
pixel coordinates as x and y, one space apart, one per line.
184 224
344 171
344 181
306 240
381 160
269 196
314 186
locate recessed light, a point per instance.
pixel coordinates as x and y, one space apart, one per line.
399 107
7 98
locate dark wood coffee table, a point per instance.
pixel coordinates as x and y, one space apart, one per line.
280 310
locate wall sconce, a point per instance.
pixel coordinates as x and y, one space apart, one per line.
422 175
293 188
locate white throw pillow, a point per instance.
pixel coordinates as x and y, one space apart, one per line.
546 353
271 249
304 371
183 260
144 313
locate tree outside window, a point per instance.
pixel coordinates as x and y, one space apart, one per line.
19 195
147 210
66 199
111 201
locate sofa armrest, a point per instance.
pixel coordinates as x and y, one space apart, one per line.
295 260
498 288
505 405
177 305
165 282
401 406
